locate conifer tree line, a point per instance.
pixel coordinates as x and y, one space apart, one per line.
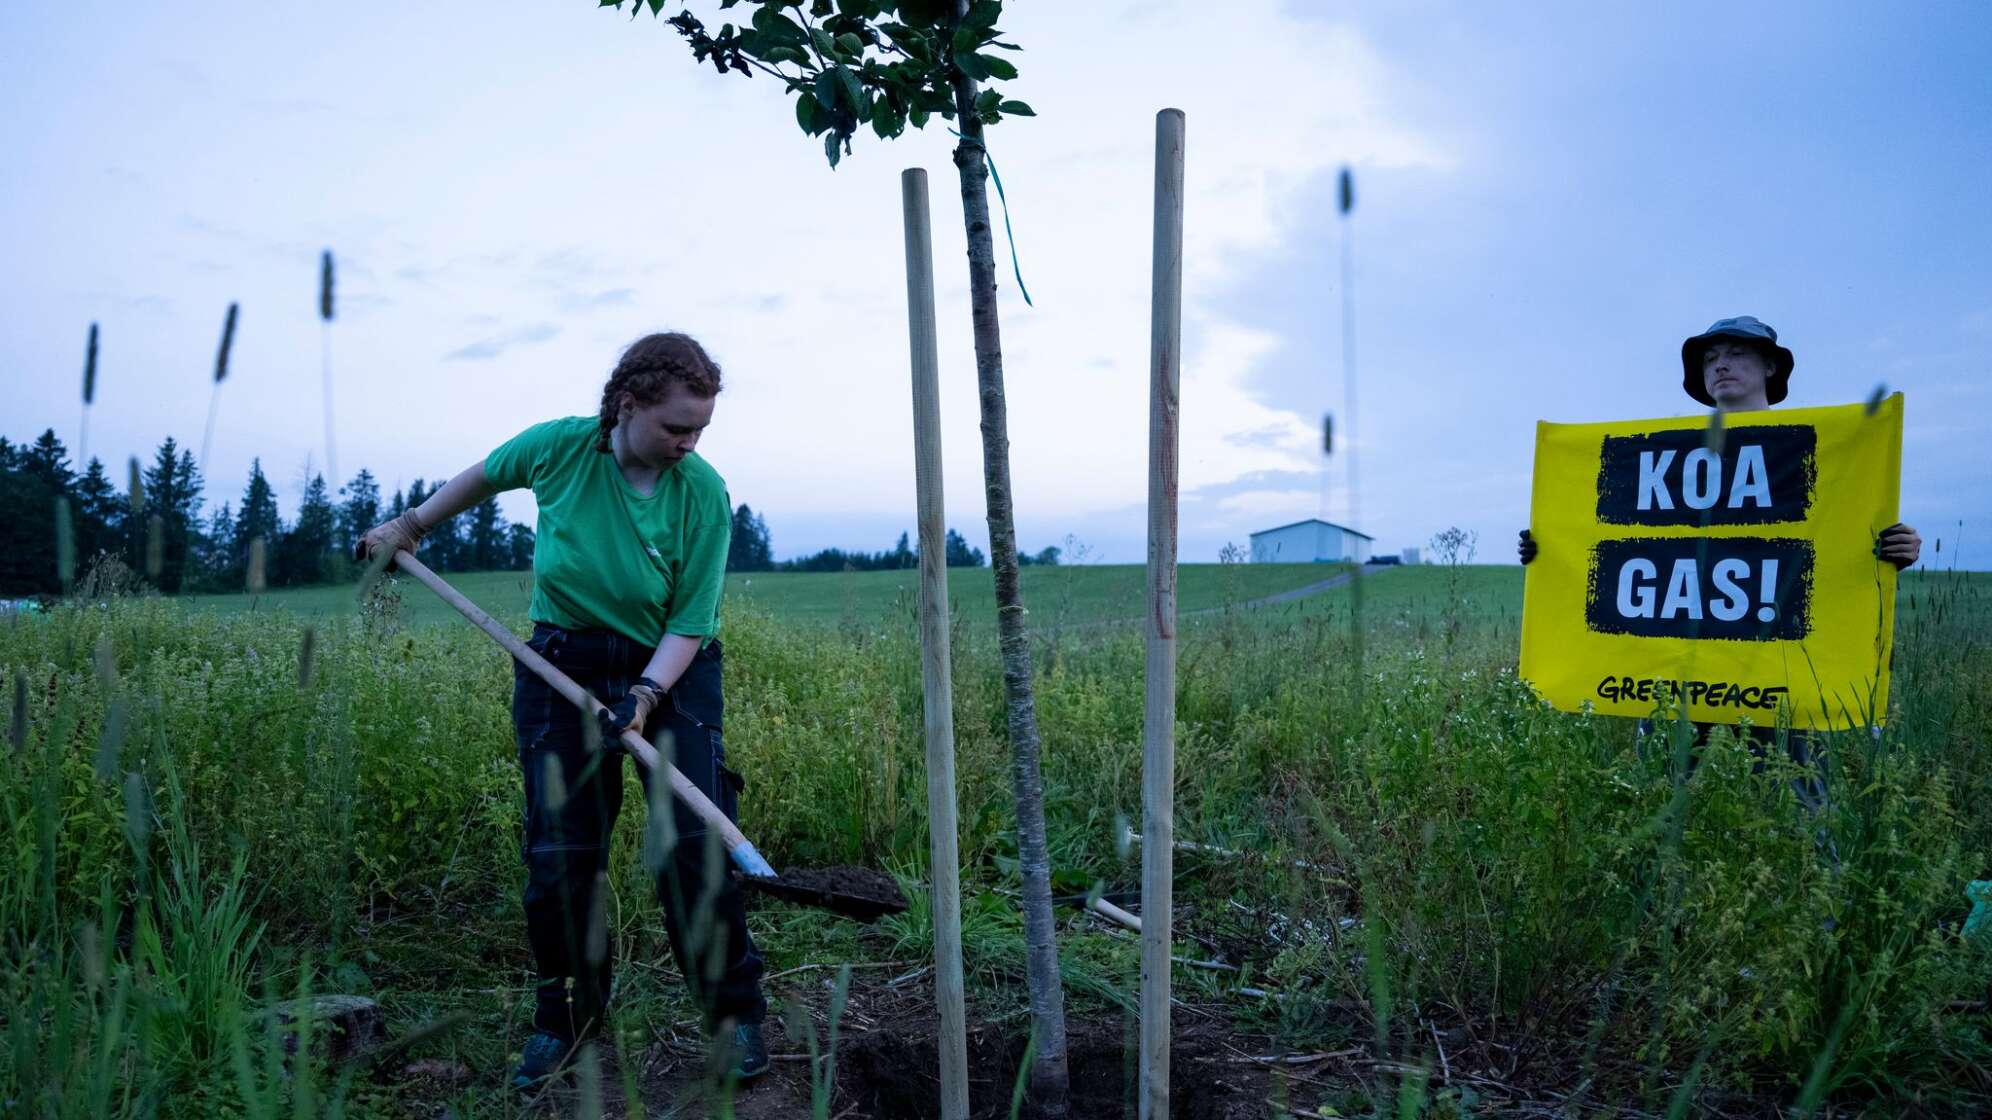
752 550
165 533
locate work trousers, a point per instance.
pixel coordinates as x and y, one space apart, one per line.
572 798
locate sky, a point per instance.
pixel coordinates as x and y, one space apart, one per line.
1549 198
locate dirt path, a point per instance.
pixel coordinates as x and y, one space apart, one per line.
1288 596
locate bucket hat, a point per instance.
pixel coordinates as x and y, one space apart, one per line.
1745 327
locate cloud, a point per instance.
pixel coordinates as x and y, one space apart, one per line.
1293 505
486 349
122 301
363 303
612 297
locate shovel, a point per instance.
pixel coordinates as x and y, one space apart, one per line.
852 892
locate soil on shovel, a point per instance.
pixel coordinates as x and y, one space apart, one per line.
830 883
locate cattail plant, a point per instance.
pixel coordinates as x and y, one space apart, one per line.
155 526
220 375
1346 204
325 355
257 553
17 731
307 658
89 394
65 544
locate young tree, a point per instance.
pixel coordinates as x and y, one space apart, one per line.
961 554
888 64
359 512
902 555
257 520
217 568
306 548
484 545
750 549
96 514
519 547
32 477
173 495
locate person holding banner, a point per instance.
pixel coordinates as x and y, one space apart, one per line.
1737 366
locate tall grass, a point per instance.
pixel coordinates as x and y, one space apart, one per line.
198 804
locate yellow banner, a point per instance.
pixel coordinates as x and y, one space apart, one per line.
1731 567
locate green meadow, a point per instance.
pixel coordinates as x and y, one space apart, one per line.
1447 898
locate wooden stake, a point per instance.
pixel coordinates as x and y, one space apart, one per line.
936 685
1158 762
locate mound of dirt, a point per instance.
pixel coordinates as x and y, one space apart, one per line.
895 1072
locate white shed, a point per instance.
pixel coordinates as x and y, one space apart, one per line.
1310 542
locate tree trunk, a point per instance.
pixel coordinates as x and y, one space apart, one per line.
1048 1083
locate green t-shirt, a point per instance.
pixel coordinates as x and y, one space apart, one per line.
606 556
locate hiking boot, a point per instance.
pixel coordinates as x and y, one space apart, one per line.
547 1058
749 1053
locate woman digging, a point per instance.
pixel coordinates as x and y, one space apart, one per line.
629 559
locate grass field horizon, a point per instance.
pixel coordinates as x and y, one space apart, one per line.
1057 595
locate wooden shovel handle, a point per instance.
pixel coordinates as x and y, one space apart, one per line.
737 845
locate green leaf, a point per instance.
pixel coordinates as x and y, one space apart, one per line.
982 14
918 117
826 88
851 45
855 96
972 65
999 68
888 122
656 6
808 111
907 39
1017 109
779 27
832 149
987 100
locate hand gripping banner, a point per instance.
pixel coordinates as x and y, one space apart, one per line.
1732 567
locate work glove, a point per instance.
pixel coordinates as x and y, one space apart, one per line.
391 536
629 713
1899 544
1526 549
